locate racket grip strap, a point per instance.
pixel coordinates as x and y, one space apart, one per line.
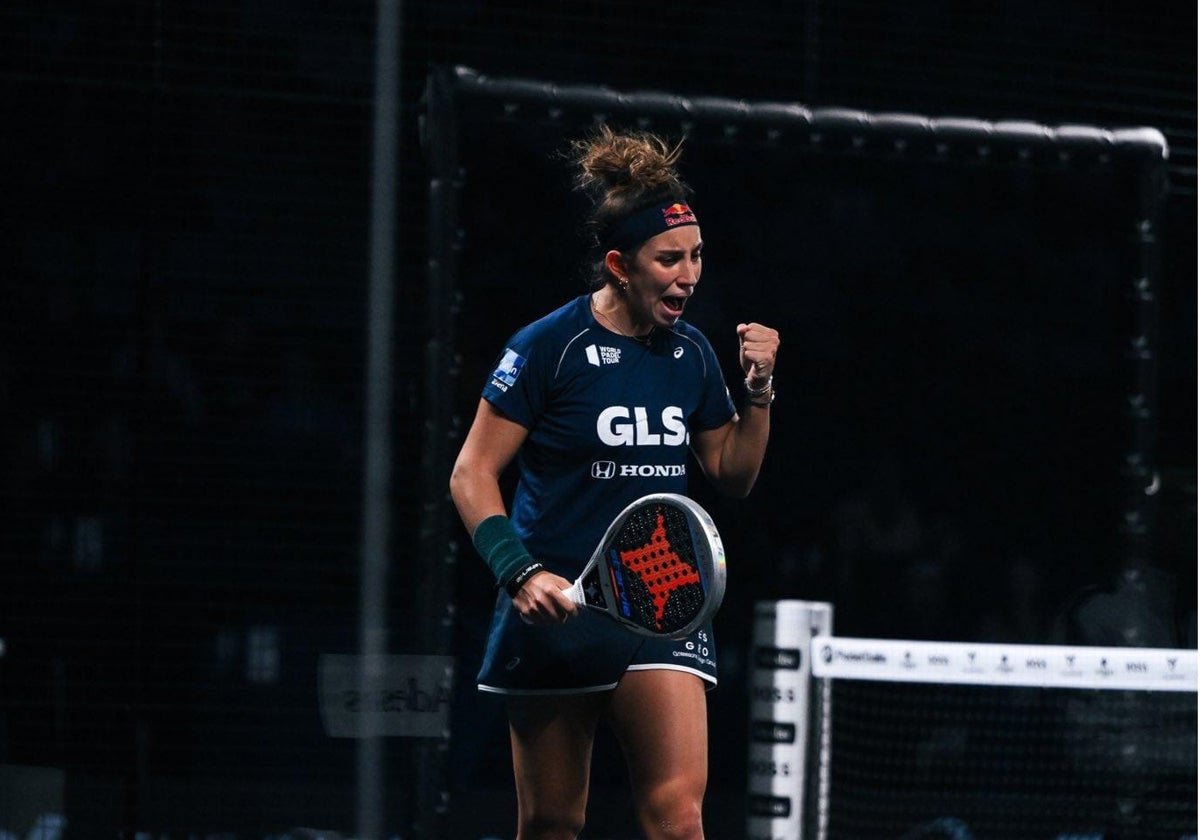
497 542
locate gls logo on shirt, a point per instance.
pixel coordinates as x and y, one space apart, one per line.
618 425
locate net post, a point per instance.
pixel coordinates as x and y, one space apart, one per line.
788 738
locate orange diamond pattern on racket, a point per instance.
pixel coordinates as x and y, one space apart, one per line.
662 583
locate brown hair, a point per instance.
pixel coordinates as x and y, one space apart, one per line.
623 173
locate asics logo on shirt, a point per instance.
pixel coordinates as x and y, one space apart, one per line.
620 425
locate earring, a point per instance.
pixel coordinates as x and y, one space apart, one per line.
624 283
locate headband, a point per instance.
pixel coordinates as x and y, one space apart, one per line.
636 228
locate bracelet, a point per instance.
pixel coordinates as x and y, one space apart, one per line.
758 392
501 548
518 580
762 397
761 402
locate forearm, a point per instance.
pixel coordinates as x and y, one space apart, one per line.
537 594
734 454
743 450
476 496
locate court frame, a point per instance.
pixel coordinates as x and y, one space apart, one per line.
457 98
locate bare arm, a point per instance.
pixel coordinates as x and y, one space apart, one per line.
491 444
732 455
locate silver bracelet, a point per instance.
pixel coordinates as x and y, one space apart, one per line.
752 392
761 402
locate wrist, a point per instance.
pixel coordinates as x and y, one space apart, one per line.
762 386
761 395
497 542
514 583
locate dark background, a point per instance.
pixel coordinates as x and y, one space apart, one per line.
186 210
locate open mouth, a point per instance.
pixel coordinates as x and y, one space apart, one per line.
674 305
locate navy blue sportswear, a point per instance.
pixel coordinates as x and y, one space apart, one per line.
610 419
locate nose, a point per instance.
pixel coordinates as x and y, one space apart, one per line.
690 274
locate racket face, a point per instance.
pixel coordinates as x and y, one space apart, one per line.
663 566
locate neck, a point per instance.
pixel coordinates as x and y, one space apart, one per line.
613 311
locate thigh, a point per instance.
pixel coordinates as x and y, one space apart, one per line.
660 718
552 739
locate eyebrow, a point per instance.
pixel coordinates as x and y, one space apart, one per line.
663 252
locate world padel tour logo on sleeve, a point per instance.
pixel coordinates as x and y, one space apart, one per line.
510 367
678 214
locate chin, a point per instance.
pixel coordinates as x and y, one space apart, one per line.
668 317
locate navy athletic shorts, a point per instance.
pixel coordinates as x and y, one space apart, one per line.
588 653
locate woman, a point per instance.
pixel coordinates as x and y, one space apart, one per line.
600 402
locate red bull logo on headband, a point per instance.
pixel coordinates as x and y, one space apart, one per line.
678 214
640 226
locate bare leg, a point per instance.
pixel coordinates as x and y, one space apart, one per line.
552 753
661 720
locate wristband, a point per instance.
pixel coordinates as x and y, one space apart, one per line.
518 580
497 542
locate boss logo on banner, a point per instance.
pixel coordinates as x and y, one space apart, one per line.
768 769
774 694
772 732
777 659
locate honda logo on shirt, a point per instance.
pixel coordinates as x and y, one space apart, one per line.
604 469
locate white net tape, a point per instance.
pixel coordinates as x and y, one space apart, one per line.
855 737
963 663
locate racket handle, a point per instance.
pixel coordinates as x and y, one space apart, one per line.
575 593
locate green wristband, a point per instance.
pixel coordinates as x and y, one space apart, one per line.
501 548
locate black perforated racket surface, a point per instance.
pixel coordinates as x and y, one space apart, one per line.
652 564
659 569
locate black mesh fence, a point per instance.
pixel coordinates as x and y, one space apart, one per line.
185 199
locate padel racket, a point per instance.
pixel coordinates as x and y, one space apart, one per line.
659 570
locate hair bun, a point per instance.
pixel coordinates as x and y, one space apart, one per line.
626 165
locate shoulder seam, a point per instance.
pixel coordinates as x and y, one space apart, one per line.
567 347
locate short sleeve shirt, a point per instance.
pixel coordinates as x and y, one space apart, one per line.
610 419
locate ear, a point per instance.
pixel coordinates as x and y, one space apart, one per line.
614 261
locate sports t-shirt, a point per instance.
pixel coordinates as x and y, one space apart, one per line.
610 419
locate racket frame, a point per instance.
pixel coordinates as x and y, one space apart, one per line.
596 590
